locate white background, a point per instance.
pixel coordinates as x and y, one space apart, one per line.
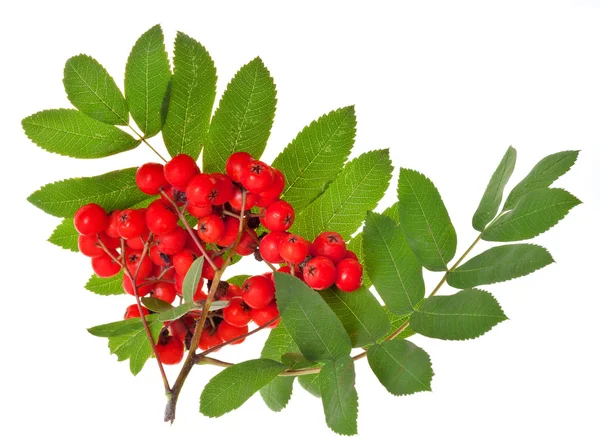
447 88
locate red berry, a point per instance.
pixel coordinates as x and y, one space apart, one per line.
161 217
232 227
269 247
111 227
178 328
236 163
288 270
265 315
350 254
138 242
224 188
330 245
137 264
183 261
236 199
258 291
90 219
227 332
131 223
159 258
207 271
172 242
293 249
237 313
274 191
257 176
349 275
209 339
320 273
133 311
180 170
279 216
247 245
202 190
211 228
192 244
199 211
232 291
150 178
141 290
172 195
90 246
104 266
170 350
165 291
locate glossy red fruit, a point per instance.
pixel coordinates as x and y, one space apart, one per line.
209 339
202 190
320 273
207 271
224 189
131 223
288 270
258 291
279 216
104 266
257 176
183 261
273 193
192 244
89 245
165 291
227 332
178 328
293 249
350 254
90 219
269 247
199 211
173 195
133 311
237 313
136 263
236 199
142 290
232 292
231 231
172 242
170 350
349 275
211 228
247 245
236 163
111 227
330 245
138 242
180 170
150 178
265 315
159 258
161 217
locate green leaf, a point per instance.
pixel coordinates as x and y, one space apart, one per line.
396 321
402 367
244 118
65 235
193 90
425 221
72 133
114 190
176 312
278 343
535 213
277 393
127 339
492 197
310 383
229 389
316 156
542 175
468 314
106 286
356 246
361 314
92 90
192 279
295 360
147 77
342 208
238 280
500 263
310 322
340 400
156 304
392 266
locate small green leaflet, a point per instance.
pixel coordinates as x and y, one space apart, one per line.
244 118
127 339
192 279
492 197
316 156
356 190
545 172
391 265
72 133
106 286
500 263
310 322
174 313
238 280
156 304
396 322
402 367
65 235
468 314
361 314
278 343
425 221
114 190
535 213
229 389
193 90
340 400
90 88
147 77
295 360
310 383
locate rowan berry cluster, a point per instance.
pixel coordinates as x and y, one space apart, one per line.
210 215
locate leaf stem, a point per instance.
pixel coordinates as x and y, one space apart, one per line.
145 141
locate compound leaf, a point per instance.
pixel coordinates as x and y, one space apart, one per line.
340 400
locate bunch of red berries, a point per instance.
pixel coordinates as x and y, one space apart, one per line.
211 215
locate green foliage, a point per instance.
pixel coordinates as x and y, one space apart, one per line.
90 89
425 221
193 90
340 400
468 314
492 197
192 280
396 321
229 389
315 157
500 263
401 367
106 286
356 190
114 190
238 280
65 235
127 339
361 314
542 175
391 265
356 246
244 118
72 133
295 360
147 77
156 304
310 322
310 383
